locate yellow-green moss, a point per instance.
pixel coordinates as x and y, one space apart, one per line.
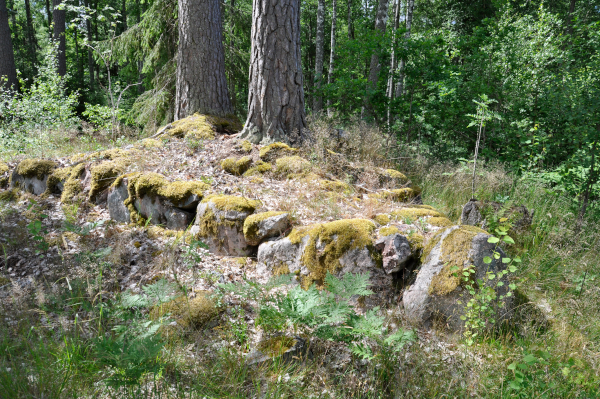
388 231
160 232
38 168
411 214
241 261
3 168
251 224
276 346
281 270
382 219
400 194
9 195
236 166
188 313
455 254
423 207
392 176
151 143
178 191
103 175
338 237
416 241
57 177
73 186
246 146
439 221
294 165
337 186
276 150
259 168
203 127
232 203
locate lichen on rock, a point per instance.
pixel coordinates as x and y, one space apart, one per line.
271 152
236 167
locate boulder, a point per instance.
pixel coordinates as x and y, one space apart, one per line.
261 226
117 195
395 250
475 212
438 288
31 175
220 224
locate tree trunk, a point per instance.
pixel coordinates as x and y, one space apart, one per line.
390 84
8 69
350 23
276 95
124 16
570 20
88 26
59 36
33 45
409 14
201 79
380 25
332 54
140 63
49 15
318 98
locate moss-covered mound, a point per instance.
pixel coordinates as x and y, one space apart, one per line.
401 194
3 174
392 178
382 219
236 167
273 151
276 346
337 186
233 203
413 213
57 178
439 221
103 175
328 242
38 168
245 146
292 167
252 224
73 185
258 169
388 231
188 313
204 127
151 143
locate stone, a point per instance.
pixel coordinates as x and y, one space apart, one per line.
395 250
31 175
470 213
159 211
117 194
260 226
474 214
435 295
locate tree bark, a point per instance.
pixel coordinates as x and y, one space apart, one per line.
318 98
49 15
380 25
201 79
33 45
394 61
59 17
276 95
570 21
124 16
350 22
409 15
8 69
332 54
88 26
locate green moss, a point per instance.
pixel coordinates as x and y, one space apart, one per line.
382 219
151 143
392 176
276 150
251 224
388 231
9 195
160 232
203 127
178 191
259 168
411 214
281 270
188 313
3 168
276 346
103 175
439 221
399 195
57 177
337 186
236 166
73 186
246 146
39 168
416 241
337 238
455 256
4 174
233 203
292 166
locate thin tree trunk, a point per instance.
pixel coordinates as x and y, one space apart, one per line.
49 15
88 26
390 84
78 58
8 69
276 94
409 15
350 22
140 63
59 17
332 54
380 25
33 45
201 79
13 19
570 21
124 16
318 98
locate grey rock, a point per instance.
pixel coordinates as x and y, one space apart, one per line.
267 228
395 250
279 252
159 212
115 203
471 214
32 185
423 305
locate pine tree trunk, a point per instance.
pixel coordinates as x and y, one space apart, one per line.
332 54
201 79
33 45
7 56
380 25
350 22
318 98
276 95
59 17
409 15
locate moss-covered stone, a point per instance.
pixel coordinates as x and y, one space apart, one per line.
416 241
103 175
439 221
38 168
337 186
154 184
246 146
151 143
391 177
188 313
273 151
258 169
382 219
252 224
9 195
73 186
399 195
335 239
236 167
292 167
57 178
233 203
388 231
411 214
3 174
455 256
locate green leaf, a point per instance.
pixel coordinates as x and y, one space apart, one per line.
508 240
487 260
512 268
505 260
493 240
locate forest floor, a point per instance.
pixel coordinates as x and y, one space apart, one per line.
63 281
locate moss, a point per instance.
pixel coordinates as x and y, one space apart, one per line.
9 195
276 346
155 232
4 281
103 176
281 270
38 168
241 261
154 184
392 176
57 177
259 168
337 186
252 222
337 238
188 313
455 254
382 219
423 207
208 225
246 146
416 241
273 151
233 203
151 143
411 214
293 166
203 127
439 221
236 166
388 231
3 168
73 186
399 195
